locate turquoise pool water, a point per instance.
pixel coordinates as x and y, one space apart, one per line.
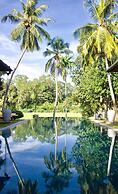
69 159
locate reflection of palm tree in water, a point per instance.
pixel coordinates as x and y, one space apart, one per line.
58 165
57 125
5 177
56 137
24 186
57 122
59 174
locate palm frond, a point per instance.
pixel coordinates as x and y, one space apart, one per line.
113 16
52 68
66 51
85 29
50 65
39 10
18 15
23 5
42 32
36 44
114 26
57 44
92 7
11 18
26 44
108 8
48 52
32 3
17 32
36 33
40 21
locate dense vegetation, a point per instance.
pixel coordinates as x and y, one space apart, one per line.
37 95
95 90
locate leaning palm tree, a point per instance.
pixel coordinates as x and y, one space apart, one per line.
100 39
28 30
56 48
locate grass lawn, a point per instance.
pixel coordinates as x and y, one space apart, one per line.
50 114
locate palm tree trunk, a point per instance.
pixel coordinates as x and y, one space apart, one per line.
56 97
14 164
65 96
9 82
110 86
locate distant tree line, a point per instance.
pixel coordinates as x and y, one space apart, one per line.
35 95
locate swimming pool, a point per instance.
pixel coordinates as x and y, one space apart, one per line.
69 159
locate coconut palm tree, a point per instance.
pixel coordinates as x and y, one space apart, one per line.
100 39
56 48
28 30
66 65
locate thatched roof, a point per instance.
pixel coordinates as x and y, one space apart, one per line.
114 67
5 68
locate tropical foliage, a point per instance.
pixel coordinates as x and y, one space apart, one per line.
99 40
35 95
92 89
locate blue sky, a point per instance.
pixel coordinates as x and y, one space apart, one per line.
67 15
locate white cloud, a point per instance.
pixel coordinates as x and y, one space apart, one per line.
32 72
73 47
30 143
31 65
7 45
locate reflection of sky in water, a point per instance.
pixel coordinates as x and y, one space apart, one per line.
29 155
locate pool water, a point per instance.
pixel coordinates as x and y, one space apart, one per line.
72 158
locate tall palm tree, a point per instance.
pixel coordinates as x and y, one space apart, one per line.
28 30
66 65
100 39
56 48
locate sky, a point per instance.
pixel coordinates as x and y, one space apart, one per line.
66 15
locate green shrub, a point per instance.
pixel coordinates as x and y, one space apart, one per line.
18 113
45 107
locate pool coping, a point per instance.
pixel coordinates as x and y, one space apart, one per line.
98 123
104 126
11 126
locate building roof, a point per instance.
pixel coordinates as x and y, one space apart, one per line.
5 68
114 67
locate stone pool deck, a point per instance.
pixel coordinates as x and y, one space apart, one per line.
104 125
